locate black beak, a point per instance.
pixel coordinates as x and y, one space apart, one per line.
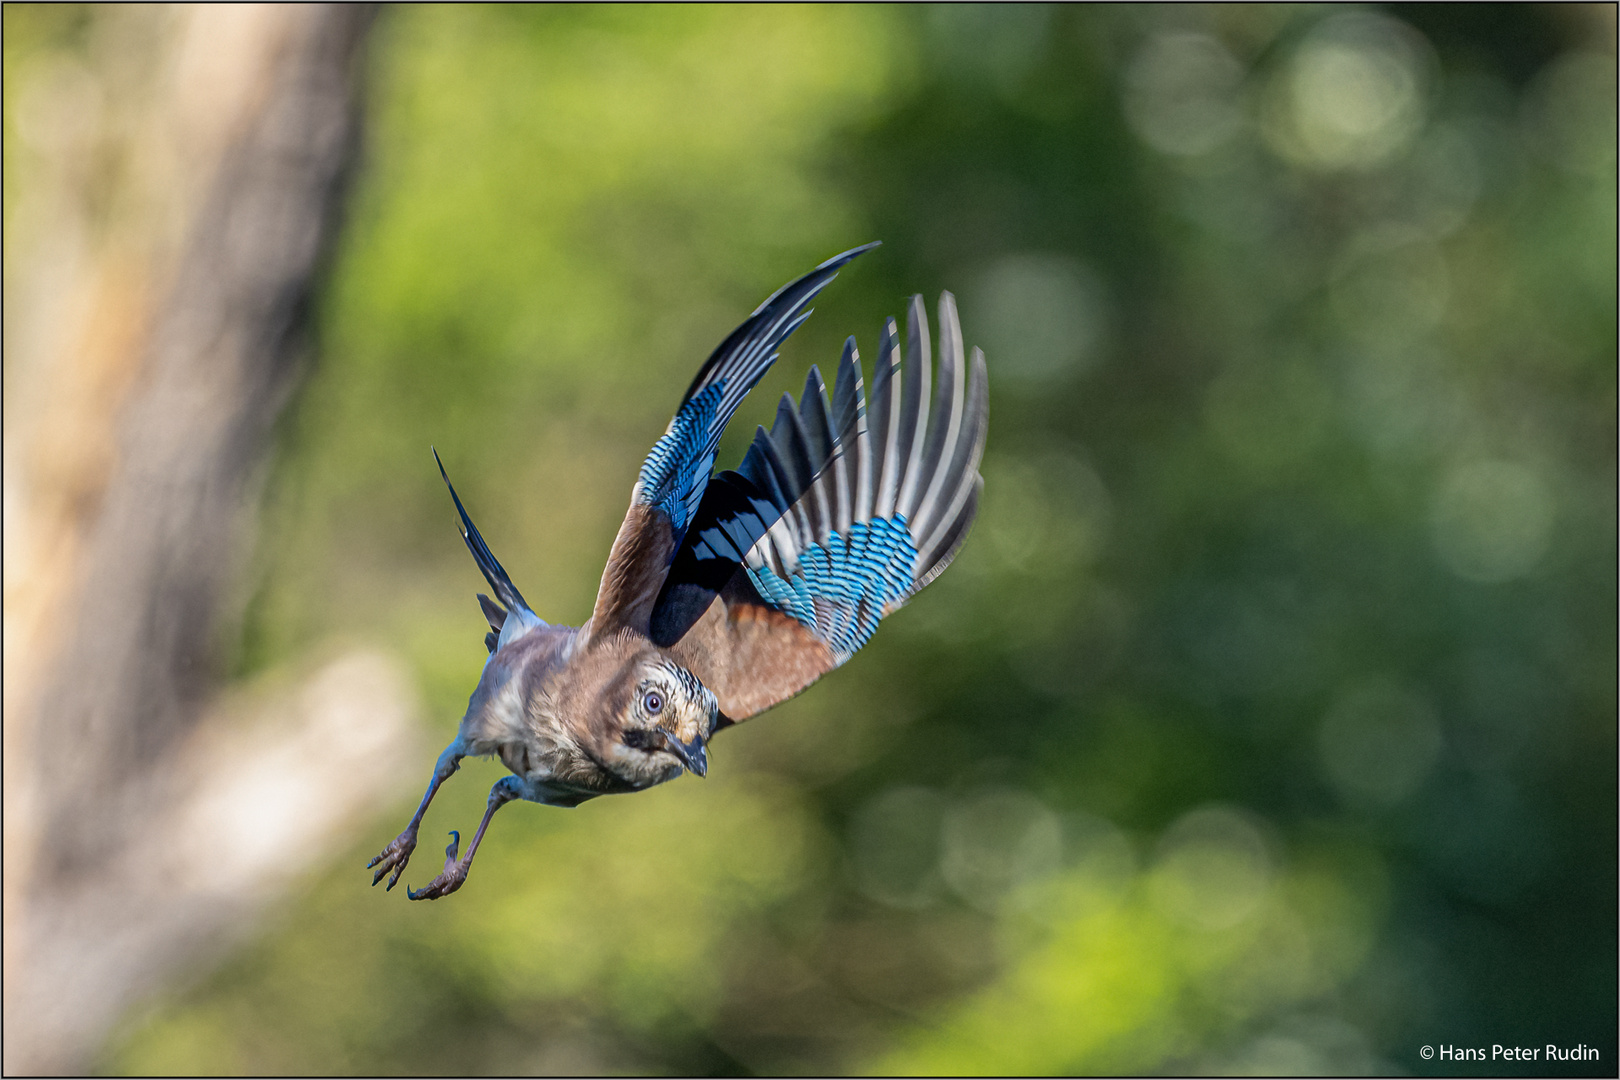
694 755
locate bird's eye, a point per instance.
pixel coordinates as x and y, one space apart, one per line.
653 702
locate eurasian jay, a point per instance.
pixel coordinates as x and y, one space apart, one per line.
726 594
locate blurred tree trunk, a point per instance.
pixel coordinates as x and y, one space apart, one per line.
192 167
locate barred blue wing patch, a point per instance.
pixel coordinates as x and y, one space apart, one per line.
676 472
841 589
680 461
837 517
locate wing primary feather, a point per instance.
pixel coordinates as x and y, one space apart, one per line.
951 541
883 416
763 467
846 398
936 541
963 466
818 425
806 472
827 494
753 463
860 444
914 414
780 547
945 421
773 477
782 440
847 412
821 436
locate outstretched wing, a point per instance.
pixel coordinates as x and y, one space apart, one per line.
511 617
676 472
836 518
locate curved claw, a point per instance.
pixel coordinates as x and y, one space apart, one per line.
455 873
394 857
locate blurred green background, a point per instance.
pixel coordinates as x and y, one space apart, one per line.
1266 722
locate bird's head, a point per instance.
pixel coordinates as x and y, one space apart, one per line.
658 721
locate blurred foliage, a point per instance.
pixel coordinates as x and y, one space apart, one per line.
1266 722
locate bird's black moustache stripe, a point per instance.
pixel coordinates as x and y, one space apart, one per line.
640 739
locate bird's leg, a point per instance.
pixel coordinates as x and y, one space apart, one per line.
398 852
455 870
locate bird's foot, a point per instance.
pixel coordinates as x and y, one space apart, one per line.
455 872
394 857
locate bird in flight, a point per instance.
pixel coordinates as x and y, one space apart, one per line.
726 594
